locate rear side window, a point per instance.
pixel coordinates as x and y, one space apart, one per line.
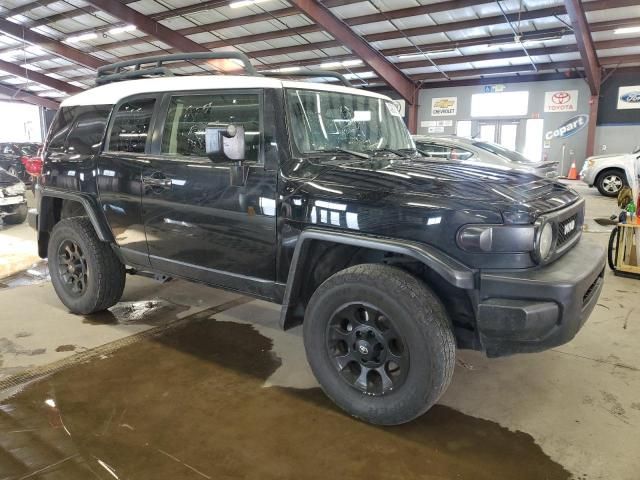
131 124
188 116
78 130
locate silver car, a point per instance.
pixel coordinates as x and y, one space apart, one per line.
470 150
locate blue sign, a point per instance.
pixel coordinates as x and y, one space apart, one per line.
631 97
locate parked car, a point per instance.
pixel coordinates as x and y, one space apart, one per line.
313 196
607 172
479 152
14 156
13 204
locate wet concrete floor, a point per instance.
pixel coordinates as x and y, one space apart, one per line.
190 404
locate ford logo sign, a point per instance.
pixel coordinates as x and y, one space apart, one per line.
568 128
631 97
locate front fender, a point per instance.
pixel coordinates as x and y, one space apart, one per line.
451 270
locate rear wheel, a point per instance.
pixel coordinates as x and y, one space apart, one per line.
85 272
610 182
379 342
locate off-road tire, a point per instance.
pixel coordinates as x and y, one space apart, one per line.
16 218
416 313
105 273
607 175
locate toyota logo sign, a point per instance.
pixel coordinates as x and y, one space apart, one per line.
560 98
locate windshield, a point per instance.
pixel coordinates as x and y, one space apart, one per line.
341 122
503 152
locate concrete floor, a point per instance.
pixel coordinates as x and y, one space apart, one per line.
180 381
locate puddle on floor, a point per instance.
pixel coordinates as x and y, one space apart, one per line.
191 405
38 273
156 311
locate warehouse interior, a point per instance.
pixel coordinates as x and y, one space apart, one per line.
178 378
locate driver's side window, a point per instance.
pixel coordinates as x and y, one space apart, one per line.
188 116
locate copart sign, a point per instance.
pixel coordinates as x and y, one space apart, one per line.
568 128
561 101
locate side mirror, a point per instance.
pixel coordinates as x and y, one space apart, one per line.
224 142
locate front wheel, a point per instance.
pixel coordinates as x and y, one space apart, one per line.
380 343
85 272
610 182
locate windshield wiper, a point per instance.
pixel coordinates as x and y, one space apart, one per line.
399 153
342 150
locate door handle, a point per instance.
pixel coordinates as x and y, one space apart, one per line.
152 181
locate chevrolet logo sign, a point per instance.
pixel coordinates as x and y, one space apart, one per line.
569 227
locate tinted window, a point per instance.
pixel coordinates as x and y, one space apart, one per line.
76 130
188 116
88 129
443 151
131 126
503 152
31 149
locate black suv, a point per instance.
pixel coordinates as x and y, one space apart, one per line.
313 196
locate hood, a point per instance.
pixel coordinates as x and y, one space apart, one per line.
607 156
474 186
6 179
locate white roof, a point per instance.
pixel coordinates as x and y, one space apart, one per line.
112 93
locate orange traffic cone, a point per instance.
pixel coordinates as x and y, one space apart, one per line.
573 172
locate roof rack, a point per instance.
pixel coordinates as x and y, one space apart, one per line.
114 72
313 73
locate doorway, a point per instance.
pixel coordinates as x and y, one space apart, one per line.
502 132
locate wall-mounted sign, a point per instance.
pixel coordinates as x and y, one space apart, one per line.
436 123
629 97
494 88
568 128
402 106
436 130
561 101
443 106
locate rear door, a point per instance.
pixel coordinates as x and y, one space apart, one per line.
119 174
212 221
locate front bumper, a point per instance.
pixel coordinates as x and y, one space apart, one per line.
537 309
587 175
12 205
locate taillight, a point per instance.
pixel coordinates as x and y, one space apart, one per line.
24 159
34 166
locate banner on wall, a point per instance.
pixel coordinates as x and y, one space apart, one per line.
443 106
568 128
629 97
561 101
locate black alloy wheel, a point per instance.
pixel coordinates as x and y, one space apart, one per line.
366 350
72 267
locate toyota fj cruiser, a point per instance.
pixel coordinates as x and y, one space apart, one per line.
311 195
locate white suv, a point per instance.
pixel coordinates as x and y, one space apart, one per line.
607 173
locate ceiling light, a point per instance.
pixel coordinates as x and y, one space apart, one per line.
346 63
425 54
117 30
245 3
287 69
83 37
620 31
36 50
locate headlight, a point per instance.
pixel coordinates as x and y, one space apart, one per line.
590 163
17 189
545 242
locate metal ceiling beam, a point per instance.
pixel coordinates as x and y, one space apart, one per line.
22 96
585 44
38 77
391 74
21 33
148 25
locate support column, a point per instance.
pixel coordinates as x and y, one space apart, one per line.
594 100
412 117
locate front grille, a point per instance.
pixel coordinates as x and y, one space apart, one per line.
590 290
567 229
